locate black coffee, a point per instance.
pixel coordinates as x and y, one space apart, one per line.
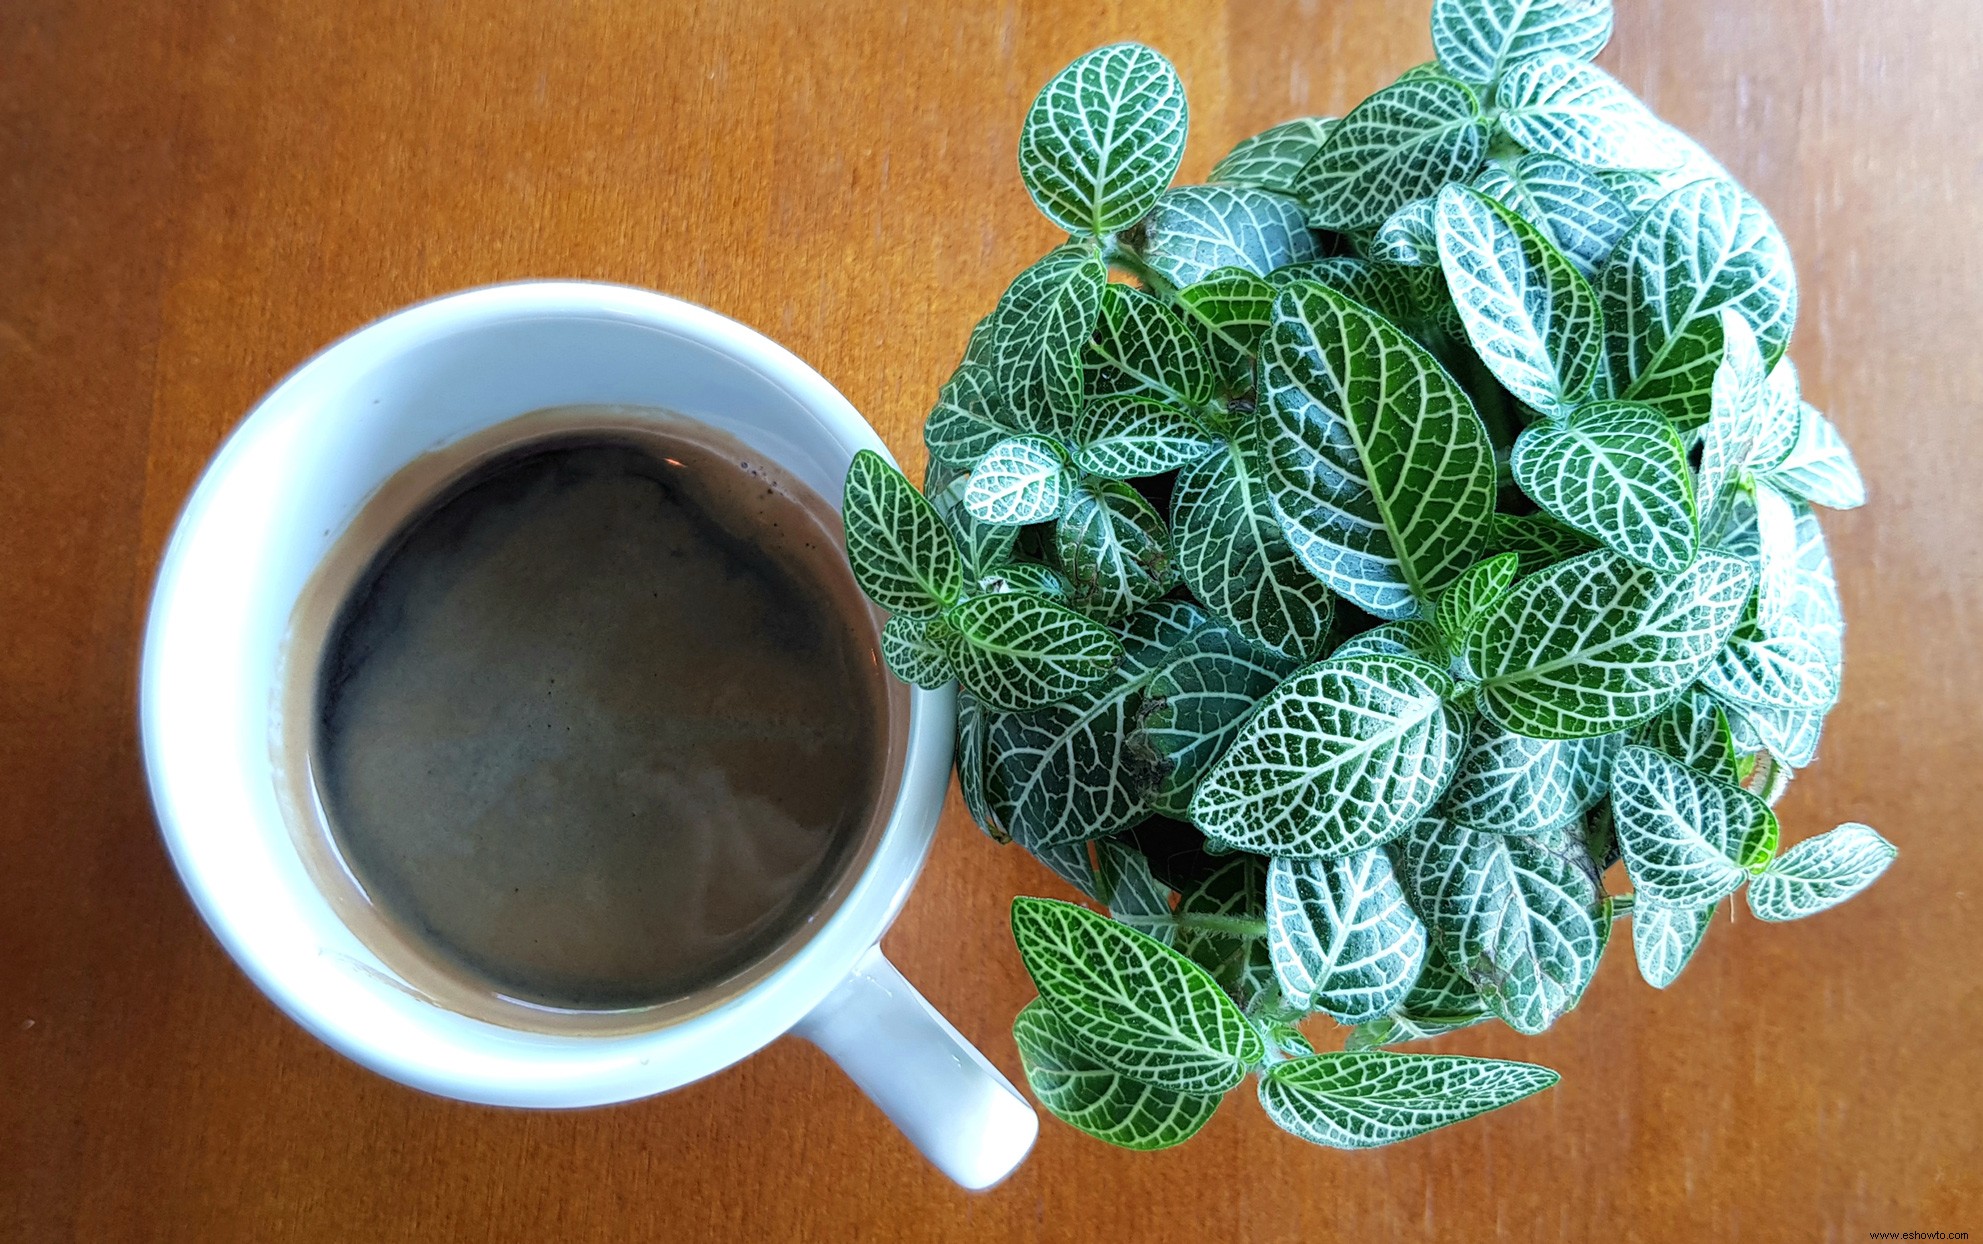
601 723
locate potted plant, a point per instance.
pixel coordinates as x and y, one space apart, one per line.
1419 524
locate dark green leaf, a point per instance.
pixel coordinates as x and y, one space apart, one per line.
901 554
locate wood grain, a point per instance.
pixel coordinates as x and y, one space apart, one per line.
194 196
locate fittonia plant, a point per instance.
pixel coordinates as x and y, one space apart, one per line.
1422 526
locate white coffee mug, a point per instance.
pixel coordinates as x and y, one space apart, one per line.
263 517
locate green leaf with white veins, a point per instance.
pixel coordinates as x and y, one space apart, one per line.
1140 1008
984 545
1273 158
1554 105
1410 235
1617 472
1510 784
1196 230
972 729
1039 336
1414 637
1024 577
1342 939
1134 896
1820 872
1023 479
1103 138
1129 436
1235 306
1776 581
1471 595
1112 548
914 650
1345 755
1442 1000
1781 403
1402 143
900 552
1537 539
1597 644
1694 731
1664 938
1143 342
968 419
1195 706
1016 652
1233 556
1785 671
1515 915
1234 895
1673 823
1365 1098
1703 247
1072 771
1819 467
1565 202
1737 411
1380 469
1080 1091
1477 40
1530 314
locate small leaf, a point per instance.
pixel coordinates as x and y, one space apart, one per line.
1782 411
1134 896
1236 892
1340 935
1195 706
1233 556
1080 1091
1381 471
1442 1000
1071 771
1515 915
1530 314
1777 572
1072 863
1664 938
1271 159
1103 138
1023 479
1196 230
1127 436
1235 306
1820 872
1039 336
1675 824
1112 548
1024 577
1703 247
901 555
1410 235
1556 105
1786 671
984 545
1509 784
1537 539
969 418
1366 1098
1736 414
1596 644
1477 40
1017 652
1694 731
971 731
1471 595
1140 1008
913 653
1570 205
1143 341
1820 468
1790 735
1402 143
1344 755
1615 471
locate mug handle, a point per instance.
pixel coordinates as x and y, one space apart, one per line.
946 1097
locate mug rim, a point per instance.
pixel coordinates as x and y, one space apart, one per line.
547 1069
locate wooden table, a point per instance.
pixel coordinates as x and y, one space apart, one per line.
196 195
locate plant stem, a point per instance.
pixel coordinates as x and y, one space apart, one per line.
1231 926
1116 255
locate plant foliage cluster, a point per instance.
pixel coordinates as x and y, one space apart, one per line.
1418 524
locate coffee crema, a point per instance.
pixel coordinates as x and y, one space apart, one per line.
601 724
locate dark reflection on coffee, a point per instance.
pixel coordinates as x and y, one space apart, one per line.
600 724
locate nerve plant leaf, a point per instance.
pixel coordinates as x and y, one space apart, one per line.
1616 472
1664 938
1194 707
1509 784
1039 336
1470 596
968 419
1195 230
1694 731
900 552
1538 540
1015 651
1233 555
1134 896
985 546
1129 436
1366 1098
1568 204
1784 671
1819 467
1821 872
914 650
1112 548
1342 939
1597 644
1381 471
1235 307
1343 756
1530 314
1142 341
1442 1000
1138 1007
1688 840
1104 138
1515 915
1081 1091
1402 143
1022 479
1273 158
1410 235
1557 105
1703 247
1477 40
972 729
